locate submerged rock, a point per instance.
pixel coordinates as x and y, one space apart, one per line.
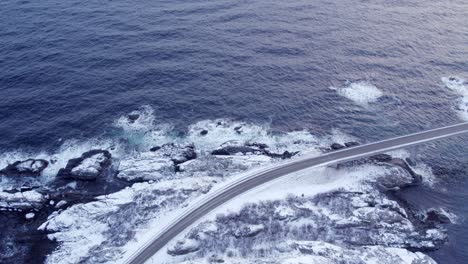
29 167
88 167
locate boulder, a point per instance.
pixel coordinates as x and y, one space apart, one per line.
336 146
204 132
88 167
133 117
435 216
183 247
29 167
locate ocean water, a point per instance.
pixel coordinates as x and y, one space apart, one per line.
370 69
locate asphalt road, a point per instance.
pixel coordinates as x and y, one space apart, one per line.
249 181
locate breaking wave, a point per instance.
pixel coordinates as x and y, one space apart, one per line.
460 86
362 93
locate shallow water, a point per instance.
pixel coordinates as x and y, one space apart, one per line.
69 69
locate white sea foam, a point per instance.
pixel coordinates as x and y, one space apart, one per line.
460 86
362 93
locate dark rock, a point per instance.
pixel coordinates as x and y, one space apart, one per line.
133 117
89 166
381 158
29 167
285 155
437 217
238 129
155 148
410 162
336 146
232 150
204 132
351 144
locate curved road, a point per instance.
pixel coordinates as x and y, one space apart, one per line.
256 178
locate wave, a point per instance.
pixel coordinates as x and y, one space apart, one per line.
460 86
362 93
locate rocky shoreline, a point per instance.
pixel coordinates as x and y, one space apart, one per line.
99 193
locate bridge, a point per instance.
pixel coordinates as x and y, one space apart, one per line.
257 177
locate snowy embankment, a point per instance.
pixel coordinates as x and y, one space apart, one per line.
131 194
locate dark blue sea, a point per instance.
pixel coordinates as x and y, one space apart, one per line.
69 69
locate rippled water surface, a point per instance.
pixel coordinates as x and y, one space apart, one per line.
68 69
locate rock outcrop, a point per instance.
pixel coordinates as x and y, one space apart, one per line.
29 167
88 167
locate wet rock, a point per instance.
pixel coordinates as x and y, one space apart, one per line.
204 132
336 146
88 167
437 217
154 149
133 117
29 167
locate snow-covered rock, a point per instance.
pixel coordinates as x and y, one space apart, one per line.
30 215
29 167
145 166
22 200
178 153
89 166
183 247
